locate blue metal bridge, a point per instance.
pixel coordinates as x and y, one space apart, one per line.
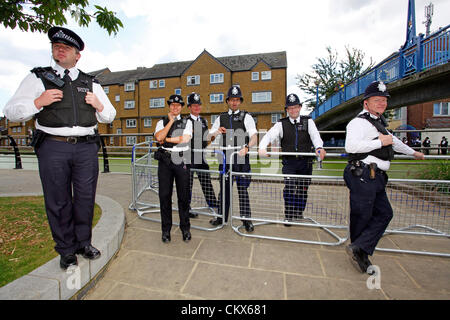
417 55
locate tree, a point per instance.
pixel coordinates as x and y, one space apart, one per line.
35 15
329 75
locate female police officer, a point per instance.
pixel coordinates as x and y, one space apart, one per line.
371 148
173 133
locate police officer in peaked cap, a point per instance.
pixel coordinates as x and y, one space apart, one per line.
67 105
199 142
238 130
173 134
371 148
297 134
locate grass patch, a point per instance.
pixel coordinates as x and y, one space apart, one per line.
25 238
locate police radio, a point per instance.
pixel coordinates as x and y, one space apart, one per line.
53 78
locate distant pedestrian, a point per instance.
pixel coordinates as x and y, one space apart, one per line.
444 145
426 144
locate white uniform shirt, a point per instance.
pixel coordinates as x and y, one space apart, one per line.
187 130
249 124
362 137
276 132
21 106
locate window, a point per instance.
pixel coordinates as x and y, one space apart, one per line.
276 117
255 76
266 75
153 84
397 114
131 140
264 96
216 78
129 104
111 140
157 103
117 97
119 131
129 86
147 122
106 89
216 98
162 83
148 138
131 123
441 109
178 91
19 129
193 80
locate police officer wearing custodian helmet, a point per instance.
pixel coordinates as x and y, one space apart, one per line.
67 104
173 134
371 148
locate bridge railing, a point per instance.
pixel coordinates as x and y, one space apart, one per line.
423 54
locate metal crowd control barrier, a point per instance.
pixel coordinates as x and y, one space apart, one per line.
421 207
145 185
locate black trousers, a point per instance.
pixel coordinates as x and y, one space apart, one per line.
370 210
205 181
295 192
168 172
242 183
69 174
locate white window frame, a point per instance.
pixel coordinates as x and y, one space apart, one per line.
216 78
255 76
147 122
117 98
266 75
261 96
156 103
275 117
129 86
216 98
153 84
119 131
106 89
111 140
193 80
441 113
129 104
162 83
131 123
131 140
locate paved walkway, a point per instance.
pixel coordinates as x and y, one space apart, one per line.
224 265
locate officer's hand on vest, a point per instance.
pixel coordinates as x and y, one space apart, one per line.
386 139
92 99
48 97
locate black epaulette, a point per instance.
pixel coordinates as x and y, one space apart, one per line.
48 74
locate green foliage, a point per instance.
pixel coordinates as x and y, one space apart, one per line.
329 74
35 15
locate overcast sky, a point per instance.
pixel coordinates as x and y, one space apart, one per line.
175 30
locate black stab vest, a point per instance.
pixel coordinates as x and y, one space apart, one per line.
384 153
72 110
178 126
304 143
199 129
236 123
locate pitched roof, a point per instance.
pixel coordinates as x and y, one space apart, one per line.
175 69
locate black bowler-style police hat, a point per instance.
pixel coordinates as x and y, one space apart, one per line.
292 100
66 36
194 98
234 92
175 98
376 88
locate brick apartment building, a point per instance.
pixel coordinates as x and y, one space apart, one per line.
140 95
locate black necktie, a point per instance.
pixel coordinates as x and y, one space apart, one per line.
296 134
66 77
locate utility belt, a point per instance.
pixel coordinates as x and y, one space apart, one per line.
39 136
357 167
166 155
